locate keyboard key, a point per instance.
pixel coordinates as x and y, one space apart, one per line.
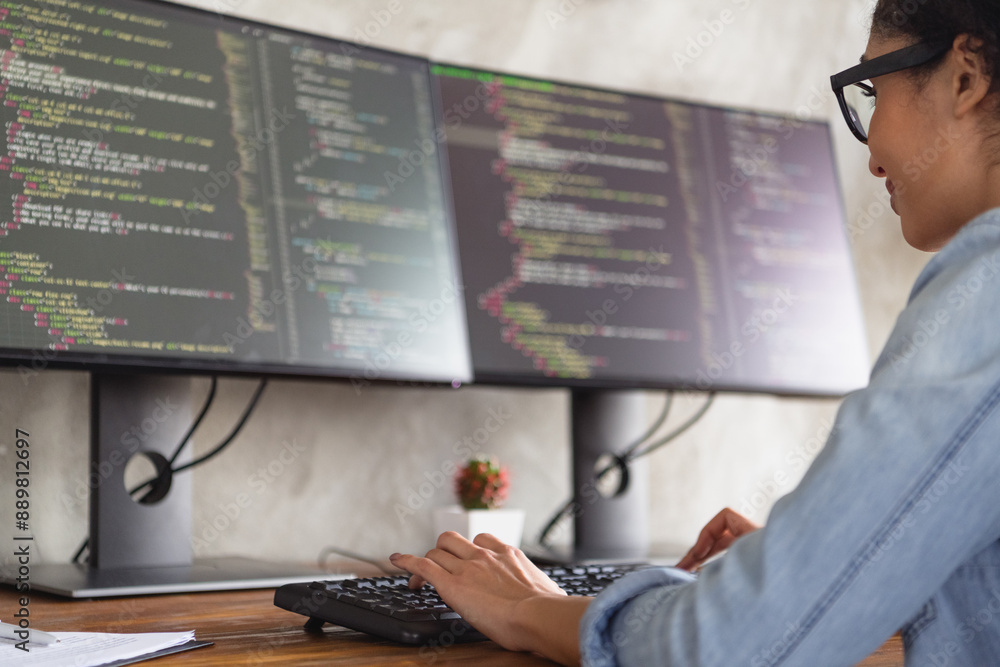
414 615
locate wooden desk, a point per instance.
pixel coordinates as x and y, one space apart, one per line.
249 630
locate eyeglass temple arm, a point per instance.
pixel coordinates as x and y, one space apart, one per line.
910 56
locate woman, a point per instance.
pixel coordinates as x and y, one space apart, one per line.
896 524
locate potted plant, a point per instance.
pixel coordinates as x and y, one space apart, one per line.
481 486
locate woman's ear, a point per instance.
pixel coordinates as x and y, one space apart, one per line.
971 79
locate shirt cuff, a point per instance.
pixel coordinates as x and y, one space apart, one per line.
597 647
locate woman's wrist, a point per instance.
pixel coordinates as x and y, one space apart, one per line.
550 625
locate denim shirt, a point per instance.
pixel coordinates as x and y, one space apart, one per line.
895 526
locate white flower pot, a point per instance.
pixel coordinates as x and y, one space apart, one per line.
504 524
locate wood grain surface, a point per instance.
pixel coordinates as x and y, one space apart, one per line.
248 629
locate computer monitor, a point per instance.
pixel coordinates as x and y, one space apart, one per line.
193 194
612 241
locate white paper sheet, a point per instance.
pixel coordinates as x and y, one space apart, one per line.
84 649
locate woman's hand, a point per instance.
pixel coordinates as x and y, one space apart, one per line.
501 593
716 536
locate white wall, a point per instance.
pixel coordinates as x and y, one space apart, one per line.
362 454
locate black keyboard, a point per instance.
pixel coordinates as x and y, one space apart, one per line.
387 608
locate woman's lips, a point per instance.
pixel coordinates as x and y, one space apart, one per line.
892 195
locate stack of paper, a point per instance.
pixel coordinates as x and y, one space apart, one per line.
86 649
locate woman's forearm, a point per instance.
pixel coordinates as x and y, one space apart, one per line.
551 626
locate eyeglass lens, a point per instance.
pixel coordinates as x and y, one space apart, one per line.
862 105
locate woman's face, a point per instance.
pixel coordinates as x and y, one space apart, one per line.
916 146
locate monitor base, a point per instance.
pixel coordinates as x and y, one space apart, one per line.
659 554
210 574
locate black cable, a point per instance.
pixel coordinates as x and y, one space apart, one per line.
662 417
629 454
232 435
201 415
561 513
218 448
180 446
209 399
79 552
556 518
676 432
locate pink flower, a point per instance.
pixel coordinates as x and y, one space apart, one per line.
482 484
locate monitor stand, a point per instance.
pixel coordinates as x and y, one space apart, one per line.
146 548
606 527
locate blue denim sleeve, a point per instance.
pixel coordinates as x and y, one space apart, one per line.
597 640
903 493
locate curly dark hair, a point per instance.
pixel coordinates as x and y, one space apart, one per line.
942 21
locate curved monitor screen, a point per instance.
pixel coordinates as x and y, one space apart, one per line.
187 190
610 239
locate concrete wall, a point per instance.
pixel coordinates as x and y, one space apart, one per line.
356 456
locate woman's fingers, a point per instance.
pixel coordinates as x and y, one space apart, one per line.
708 542
421 569
718 534
488 541
454 543
737 523
450 551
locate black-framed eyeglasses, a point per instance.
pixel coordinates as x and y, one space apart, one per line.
855 93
